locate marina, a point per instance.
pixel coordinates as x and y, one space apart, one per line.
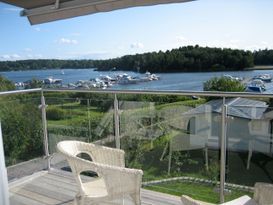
90 78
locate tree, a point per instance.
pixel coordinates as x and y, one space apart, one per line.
22 131
6 84
21 125
223 84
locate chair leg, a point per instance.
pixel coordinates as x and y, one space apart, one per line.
77 199
82 200
136 198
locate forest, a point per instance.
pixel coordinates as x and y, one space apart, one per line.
183 59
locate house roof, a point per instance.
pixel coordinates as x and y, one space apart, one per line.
237 107
41 11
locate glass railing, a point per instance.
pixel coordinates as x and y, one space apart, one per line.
174 137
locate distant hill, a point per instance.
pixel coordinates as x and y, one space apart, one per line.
183 59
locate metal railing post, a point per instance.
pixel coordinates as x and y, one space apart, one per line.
116 119
89 121
44 122
223 153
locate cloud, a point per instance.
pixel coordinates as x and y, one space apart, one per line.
12 9
5 56
181 38
10 56
15 56
34 56
38 56
234 41
137 45
120 47
28 49
68 41
38 29
259 46
88 55
75 34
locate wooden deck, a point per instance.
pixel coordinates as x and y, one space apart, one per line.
59 188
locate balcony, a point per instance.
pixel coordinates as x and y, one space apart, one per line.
210 146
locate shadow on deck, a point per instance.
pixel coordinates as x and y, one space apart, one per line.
59 188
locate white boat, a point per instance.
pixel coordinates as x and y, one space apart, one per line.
151 76
233 77
51 80
126 79
107 79
264 77
256 86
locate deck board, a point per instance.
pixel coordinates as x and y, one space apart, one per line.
59 188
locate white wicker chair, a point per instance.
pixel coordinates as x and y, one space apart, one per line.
114 180
263 195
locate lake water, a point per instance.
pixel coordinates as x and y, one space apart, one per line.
168 81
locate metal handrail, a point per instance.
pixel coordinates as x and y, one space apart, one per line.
13 92
166 92
151 92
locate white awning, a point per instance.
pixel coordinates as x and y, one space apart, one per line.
41 11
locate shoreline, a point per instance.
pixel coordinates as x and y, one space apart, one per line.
260 67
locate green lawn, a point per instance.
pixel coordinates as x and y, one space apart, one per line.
200 192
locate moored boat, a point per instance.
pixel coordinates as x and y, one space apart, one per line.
256 86
264 77
51 80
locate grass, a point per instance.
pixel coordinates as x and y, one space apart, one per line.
76 114
200 192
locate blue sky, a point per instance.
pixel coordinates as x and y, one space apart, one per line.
243 24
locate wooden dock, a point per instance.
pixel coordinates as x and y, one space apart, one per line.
59 188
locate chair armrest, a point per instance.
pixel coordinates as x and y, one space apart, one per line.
263 193
121 180
118 180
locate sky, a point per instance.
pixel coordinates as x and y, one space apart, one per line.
240 24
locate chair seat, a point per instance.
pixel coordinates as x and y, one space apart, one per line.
95 188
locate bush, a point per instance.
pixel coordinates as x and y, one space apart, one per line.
22 131
223 84
55 113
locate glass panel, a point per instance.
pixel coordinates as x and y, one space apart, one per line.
249 143
79 116
22 134
174 140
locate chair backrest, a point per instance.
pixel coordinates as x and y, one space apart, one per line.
97 153
263 193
